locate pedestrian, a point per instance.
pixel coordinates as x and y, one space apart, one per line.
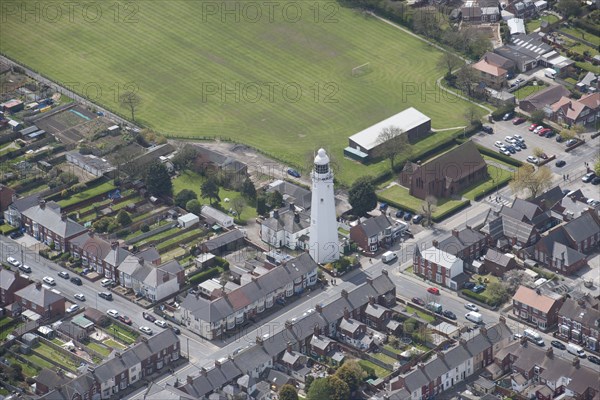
371 260
567 176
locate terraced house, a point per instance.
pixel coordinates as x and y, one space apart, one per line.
98 254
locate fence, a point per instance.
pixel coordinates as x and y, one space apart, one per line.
150 233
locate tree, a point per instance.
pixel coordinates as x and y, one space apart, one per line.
158 180
248 189
185 158
185 195
422 335
339 388
497 292
537 116
210 190
274 199
515 278
288 392
193 206
567 134
123 218
449 62
465 79
426 22
393 144
261 205
319 390
569 8
471 115
238 204
527 178
362 196
597 167
130 100
307 382
579 130
428 209
351 373
394 342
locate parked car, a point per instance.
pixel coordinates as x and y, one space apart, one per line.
517 336
469 285
521 145
13 261
146 330
293 173
73 308
471 306
532 159
148 316
25 268
511 149
549 133
161 323
487 129
571 142
538 129
399 214
498 144
588 177
508 116
76 280
594 359
79 296
106 295
532 127
407 216
383 206
107 282
509 139
175 329
505 151
125 319
418 301
63 274
558 345
433 290
559 138
595 181
478 289
417 219
518 120
449 314
50 281
112 313
544 132
544 156
560 163
518 138
16 234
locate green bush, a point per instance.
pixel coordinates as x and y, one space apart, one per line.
221 262
500 111
490 153
477 296
451 211
144 228
205 275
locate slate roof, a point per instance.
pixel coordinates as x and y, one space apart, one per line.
556 245
546 97
50 378
320 342
497 59
288 221
586 316
350 325
167 392
439 257
375 225
549 198
375 310
298 195
583 227
498 257
150 255
223 240
49 216
39 296
25 203
8 278
116 256
92 244
463 239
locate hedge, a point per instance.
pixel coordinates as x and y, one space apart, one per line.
206 275
586 26
478 297
450 211
501 157
492 189
499 113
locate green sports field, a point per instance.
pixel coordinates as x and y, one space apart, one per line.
281 81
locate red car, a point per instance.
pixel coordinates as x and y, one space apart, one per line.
433 290
125 319
518 120
544 131
418 301
532 127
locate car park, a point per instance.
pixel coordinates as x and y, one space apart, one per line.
538 129
112 313
125 319
148 316
505 152
433 290
13 261
407 216
560 163
161 323
508 115
558 345
532 127
105 295
418 301
417 219
487 129
594 359
79 296
63 274
522 145
73 308
471 306
146 330
449 314
518 120
76 280
498 144
50 281
588 177
532 159
293 173
25 268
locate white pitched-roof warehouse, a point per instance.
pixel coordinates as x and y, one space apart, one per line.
406 120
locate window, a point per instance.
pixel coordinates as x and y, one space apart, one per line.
438 278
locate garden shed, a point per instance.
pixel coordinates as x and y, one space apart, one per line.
188 220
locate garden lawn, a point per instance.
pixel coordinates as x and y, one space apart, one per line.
39 361
114 344
280 84
28 370
380 372
385 358
122 334
421 314
183 238
87 194
525 91
533 24
399 194
58 357
497 176
98 348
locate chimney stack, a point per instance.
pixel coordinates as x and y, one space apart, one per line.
38 285
288 324
114 245
319 308
346 314
203 371
502 320
440 354
296 217
435 243
42 203
421 366
372 300
384 272
455 232
317 330
292 207
275 214
483 330
63 216
259 340
523 341
141 260
289 347
189 380
218 364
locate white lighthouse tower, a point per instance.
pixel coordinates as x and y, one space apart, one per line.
324 242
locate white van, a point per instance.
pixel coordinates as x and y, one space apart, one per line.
388 256
474 317
534 336
575 350
550 73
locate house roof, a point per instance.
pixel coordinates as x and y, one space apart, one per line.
39 295
460 240
298 195
8 278
375 225
288 221
375 310
582 313
50 217
350 325
405 120
92 244
546 97
320 342
498 258
591 100
215 215
50 378
116 256
498 60
150 254
534 300
516 26
439 257
157 275
489 69
585 226
530 45
571 108
223 240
